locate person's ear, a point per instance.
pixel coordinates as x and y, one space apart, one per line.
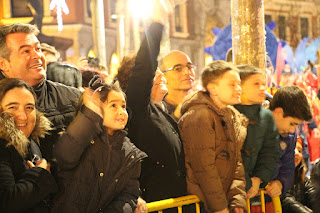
279 111
4 64
211 87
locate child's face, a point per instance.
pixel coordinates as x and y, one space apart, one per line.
253 90
226 90
286 124
115 115
298 154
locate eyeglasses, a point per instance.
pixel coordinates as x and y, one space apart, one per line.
180 67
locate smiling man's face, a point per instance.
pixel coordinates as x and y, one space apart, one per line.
26 60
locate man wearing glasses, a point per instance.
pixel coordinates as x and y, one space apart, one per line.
179 73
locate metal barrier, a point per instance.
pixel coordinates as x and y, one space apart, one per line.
275 201
174 203
193 199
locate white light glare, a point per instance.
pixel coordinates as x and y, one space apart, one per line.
140 8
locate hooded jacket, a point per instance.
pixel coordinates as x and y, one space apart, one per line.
23 189
98 172
212 140
59 104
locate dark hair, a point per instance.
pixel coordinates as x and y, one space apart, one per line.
293 102
13 28
64 73
215 70
124 71
247 70
8 84
87 74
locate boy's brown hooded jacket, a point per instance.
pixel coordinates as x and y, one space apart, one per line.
212 140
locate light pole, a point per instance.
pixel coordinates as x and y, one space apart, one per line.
98 28
248 33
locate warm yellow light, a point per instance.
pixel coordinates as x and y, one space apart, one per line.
91 54
208 59
114 65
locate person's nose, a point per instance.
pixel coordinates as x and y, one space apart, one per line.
21 114
36 54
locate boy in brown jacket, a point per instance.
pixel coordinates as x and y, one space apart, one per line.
213 133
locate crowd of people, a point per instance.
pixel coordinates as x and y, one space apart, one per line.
82 142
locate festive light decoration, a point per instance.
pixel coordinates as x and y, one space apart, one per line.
61 6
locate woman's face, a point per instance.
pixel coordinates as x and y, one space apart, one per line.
21 104
298 154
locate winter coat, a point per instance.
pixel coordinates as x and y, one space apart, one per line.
212 140
23 189
153 130
298 199
98 172
58 103
260 150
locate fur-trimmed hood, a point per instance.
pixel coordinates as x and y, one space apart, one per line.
15 137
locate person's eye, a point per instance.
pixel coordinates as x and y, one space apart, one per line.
30 108
178 69
11 107
123 106
38 49
26 51
113 105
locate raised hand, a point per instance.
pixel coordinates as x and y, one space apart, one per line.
92 100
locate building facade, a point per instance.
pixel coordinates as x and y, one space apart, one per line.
190 25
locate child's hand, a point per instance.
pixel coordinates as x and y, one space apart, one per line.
226 210
238 210
274 189
253 191
92 101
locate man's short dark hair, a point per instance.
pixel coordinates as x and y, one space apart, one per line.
214 71
247 70
293 101
13 28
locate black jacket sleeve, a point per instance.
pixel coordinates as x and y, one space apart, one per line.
142 73
290 203
18 194
72 144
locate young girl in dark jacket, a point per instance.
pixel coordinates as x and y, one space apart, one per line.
98 165
298 199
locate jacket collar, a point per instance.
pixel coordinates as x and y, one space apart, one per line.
15 137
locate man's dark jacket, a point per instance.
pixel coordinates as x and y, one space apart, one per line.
153 130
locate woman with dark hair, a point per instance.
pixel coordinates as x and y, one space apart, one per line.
299 198
25 178
98 165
